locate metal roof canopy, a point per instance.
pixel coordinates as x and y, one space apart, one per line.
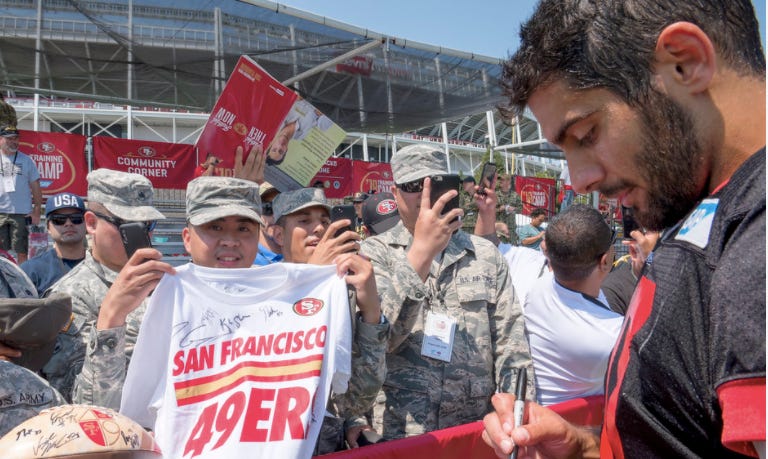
180 53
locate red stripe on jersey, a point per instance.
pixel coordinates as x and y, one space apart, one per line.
743 405
637 314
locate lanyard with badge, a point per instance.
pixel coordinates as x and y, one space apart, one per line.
439 328
9 180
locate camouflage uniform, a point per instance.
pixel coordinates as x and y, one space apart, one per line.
88 365
471 285
512 199
369 343
23 394
14 283
467 202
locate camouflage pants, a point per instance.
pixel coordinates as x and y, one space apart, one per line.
331 438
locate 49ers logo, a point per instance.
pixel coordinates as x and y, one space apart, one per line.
46 147
307 306
386 207
146 151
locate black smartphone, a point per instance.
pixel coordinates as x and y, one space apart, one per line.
341 213
628 221
486 177
135 236
441 184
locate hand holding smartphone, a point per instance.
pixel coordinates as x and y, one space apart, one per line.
486 177
441 184
135 236
341 213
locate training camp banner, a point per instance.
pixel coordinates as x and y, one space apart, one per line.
536 193
60 159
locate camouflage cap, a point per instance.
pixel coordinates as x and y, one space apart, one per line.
90 432
14 282
265 188
210 198
31 326
417 161
128 196
293 201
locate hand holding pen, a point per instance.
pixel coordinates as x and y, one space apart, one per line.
545 433
520 386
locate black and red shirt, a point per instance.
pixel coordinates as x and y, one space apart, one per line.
687 375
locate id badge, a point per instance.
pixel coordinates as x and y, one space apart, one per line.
438 336
9 184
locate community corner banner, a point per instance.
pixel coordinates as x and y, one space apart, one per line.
166 165
60 159
536 193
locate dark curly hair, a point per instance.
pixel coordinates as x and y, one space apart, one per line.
610 44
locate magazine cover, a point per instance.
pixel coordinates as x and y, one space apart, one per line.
256 109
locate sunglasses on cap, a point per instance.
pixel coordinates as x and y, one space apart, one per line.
61 219
415 186
149 224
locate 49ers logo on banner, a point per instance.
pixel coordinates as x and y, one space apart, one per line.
307 306
536 193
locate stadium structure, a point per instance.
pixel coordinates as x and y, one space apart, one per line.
153 69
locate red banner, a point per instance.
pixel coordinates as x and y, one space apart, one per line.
536 193
60 159
343 177
166 165
372 177
336 175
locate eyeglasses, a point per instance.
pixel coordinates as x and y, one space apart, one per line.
149 224
415 186
61 219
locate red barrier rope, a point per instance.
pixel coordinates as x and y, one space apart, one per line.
464 441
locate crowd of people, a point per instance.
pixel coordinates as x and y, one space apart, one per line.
303 334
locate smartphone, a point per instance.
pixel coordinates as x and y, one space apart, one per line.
344 212
486 177
441 184
369 437
628 221
135 236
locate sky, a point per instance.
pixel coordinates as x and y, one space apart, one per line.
488 27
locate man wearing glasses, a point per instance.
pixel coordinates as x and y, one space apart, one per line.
108 290
65 223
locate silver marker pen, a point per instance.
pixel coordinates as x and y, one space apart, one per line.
520 385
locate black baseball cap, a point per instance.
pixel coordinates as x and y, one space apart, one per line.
380 212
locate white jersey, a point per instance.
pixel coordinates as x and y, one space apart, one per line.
571 337
239 362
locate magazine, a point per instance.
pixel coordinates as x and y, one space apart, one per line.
256 109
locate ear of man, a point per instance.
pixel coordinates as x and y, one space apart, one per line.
685 60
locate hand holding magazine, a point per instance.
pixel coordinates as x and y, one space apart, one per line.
256 109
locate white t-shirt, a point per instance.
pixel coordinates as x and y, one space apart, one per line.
236 363
525 266
571 338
